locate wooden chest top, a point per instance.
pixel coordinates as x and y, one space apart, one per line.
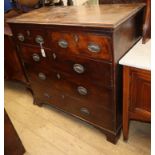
108 16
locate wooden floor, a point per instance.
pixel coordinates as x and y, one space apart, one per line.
46 131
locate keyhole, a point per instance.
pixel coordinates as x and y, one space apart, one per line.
28 33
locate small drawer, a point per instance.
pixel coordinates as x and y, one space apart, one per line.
30 35
33 55
81 68
88 44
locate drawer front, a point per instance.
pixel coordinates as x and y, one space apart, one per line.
140 91
34 56
64 83
29 35
91 111
87 44
81 68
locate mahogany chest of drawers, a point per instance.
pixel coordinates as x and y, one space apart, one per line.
70 56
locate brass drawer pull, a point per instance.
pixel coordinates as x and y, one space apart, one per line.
21 37
92 47
84 111
36 57
39 39
78 68
63 43
42 76
82 91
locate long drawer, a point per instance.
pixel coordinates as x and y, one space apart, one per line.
97 72
65 83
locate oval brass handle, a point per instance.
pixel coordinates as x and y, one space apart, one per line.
78 68
85 111
21 37
95 48
63 43
81 90
39 39
36 57
42 76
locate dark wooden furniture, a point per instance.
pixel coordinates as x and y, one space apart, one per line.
72 63
12 143
13 69
147 15
147 22
136 96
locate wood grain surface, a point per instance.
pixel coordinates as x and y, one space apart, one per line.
110 15
136 96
